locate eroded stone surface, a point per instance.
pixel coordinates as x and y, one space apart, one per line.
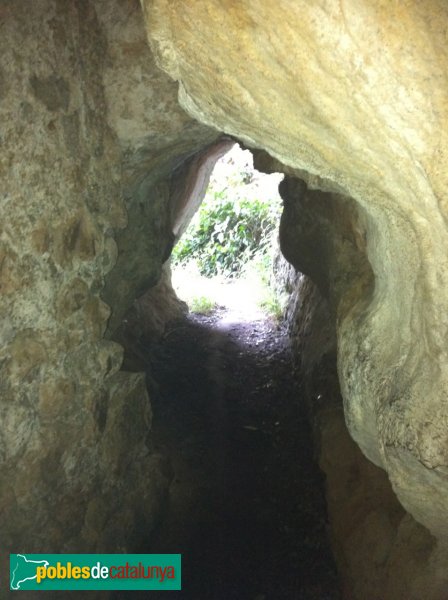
381 551
76 469
155 137
91 135
356 94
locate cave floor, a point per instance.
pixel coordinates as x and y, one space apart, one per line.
246 507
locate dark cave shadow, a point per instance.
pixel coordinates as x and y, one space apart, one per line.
247 509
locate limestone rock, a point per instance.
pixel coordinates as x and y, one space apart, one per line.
76 469
155 138
356 94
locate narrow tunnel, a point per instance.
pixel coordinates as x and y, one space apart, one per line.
246 506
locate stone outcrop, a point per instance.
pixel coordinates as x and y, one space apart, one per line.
91 136
381 551
155 137
355 94
95 159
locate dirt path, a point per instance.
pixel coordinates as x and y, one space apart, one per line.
246 506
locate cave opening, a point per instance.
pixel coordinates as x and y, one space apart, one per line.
227 258
246 505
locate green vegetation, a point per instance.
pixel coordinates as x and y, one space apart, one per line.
227 234
202 305
226 255
271 305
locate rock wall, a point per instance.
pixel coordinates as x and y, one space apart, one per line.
155 137
91 134
381 551
62 397
355 95
101 169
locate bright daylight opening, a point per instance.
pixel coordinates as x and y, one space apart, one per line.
247 497
224 261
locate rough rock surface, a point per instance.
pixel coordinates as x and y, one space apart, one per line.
156 137
94 151
381 551
90 132
356 94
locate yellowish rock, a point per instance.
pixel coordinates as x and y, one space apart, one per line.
355 93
